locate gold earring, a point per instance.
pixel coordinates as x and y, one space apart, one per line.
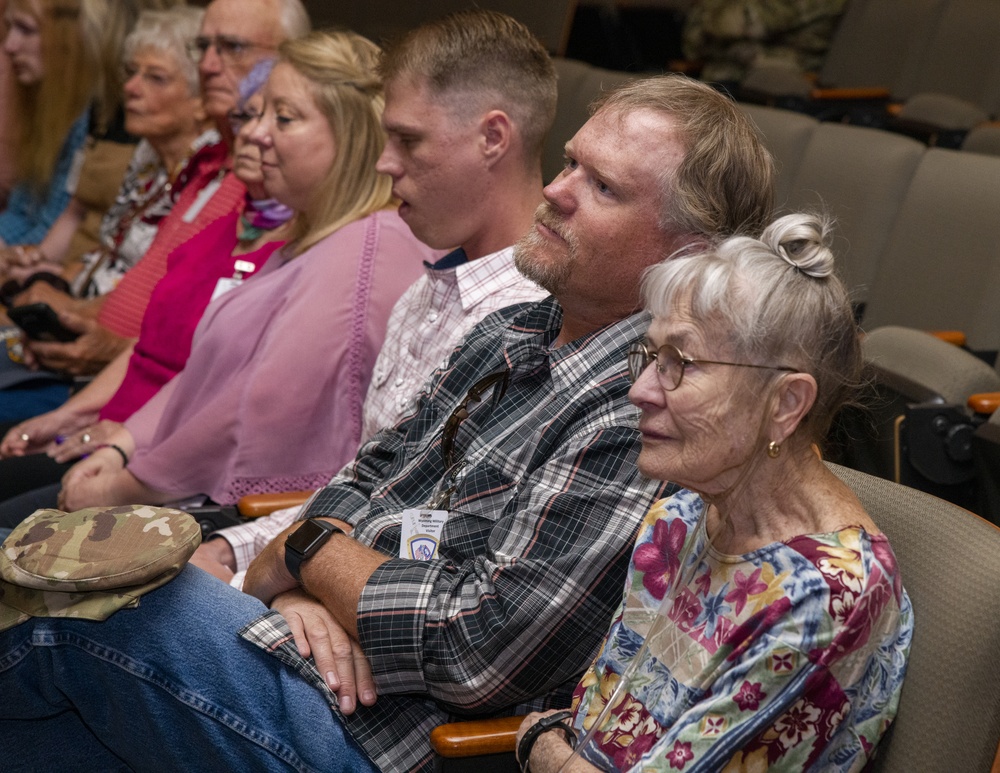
773 449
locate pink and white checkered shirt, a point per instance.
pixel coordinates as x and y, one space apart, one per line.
427 323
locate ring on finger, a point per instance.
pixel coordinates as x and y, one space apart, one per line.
85 437
25 437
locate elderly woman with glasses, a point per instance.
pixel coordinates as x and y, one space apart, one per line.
68 53
163 106
763 623
270 397
218 258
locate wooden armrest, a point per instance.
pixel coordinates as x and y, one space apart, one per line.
956 337
835 94
256 505
476 737
984 402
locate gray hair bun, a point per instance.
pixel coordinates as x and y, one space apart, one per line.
803 242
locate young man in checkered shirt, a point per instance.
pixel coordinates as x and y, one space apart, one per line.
362 651
466 164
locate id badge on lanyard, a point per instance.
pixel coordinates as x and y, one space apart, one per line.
421 534
225 284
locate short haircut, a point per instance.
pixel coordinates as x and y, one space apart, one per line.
486 60
106 24
775 301
725 183
294 19
340 67
167 32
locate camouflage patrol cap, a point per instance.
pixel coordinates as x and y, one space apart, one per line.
92 562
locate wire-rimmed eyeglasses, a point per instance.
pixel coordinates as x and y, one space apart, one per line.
461 412
671 363
228 48
441 498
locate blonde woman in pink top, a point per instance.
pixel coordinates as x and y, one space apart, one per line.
271 396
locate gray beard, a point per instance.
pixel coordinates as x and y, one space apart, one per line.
549 276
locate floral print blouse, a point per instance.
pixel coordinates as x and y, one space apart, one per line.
791 657
145 198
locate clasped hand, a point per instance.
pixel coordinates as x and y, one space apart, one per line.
339 658
101 478
41 433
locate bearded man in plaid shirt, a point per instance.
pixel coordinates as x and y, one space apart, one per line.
523 445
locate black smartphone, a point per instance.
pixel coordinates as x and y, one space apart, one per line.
41 323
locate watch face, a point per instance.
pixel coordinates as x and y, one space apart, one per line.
308 537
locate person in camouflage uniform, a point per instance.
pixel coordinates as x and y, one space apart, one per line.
731 36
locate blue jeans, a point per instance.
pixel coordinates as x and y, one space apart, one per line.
168 686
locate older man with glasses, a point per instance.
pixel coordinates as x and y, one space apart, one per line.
515 475
235 35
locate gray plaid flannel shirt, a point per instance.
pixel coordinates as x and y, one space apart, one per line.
535 550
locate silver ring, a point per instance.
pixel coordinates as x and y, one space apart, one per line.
25 437
85 437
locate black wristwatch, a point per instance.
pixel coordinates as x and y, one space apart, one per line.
303 543
555 721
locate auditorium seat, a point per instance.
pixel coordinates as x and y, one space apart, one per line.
860 176
940 267
786 134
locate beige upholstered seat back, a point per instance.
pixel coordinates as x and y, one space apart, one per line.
877 40
921 367
983 139
949 714
860 176
786 135
940 268
961 57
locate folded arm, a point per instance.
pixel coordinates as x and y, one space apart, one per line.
521 618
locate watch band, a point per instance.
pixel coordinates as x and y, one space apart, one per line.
555 721
303 543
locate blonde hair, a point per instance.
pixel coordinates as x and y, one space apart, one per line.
480 60
724 185
47 109
340 67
